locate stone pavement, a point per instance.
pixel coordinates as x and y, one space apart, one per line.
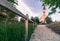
43 33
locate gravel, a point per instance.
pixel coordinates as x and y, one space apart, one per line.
43 33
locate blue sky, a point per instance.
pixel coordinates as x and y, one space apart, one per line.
34 8
34 4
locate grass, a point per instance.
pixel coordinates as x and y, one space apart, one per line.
14 31
55 27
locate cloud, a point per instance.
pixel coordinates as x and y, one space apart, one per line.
25 9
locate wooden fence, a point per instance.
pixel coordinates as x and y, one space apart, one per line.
9 6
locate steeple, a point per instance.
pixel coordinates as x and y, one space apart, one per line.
44 7
43 17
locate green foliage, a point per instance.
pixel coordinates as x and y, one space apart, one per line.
2 17
48 19
53 4
11 1
10 14
30 30
35 19
12 32
6 14
22 20
32 18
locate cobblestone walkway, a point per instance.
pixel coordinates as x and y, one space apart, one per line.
42 33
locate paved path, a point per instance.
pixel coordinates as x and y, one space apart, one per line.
42 33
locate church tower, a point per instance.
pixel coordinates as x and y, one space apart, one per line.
43 17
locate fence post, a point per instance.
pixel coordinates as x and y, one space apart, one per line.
26 28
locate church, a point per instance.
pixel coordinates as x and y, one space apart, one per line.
43 17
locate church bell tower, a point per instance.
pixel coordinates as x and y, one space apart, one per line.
43 17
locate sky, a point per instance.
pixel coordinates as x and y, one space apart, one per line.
34 8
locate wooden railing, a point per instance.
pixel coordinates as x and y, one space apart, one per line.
9 6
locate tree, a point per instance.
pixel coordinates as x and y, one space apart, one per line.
32 19
12 1
53 4
35 19
48 19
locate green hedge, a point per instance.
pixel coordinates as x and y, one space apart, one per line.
12 32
